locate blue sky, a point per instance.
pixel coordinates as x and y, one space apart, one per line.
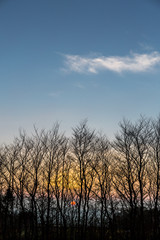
66 60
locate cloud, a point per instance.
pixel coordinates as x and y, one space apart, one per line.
133 63
146 47
55 94
79 85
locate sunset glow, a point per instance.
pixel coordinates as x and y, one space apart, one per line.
73 203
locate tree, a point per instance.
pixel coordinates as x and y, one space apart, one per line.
102 188
124 175
154 174
83 150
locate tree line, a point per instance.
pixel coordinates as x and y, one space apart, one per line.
82 187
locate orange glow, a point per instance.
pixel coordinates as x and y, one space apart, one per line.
73 203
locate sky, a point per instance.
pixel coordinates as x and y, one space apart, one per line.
69 60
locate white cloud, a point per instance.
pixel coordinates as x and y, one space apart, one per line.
133 63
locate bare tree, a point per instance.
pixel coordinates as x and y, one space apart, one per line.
55 148
83 149
86 187
141 134
102 188
32 183
125 179
131 179
154 175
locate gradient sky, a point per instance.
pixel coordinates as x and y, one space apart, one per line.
66 60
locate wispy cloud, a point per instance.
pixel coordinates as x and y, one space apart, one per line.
146 47
79 85
132 63
55 94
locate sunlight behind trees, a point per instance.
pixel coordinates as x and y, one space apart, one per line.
87 187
